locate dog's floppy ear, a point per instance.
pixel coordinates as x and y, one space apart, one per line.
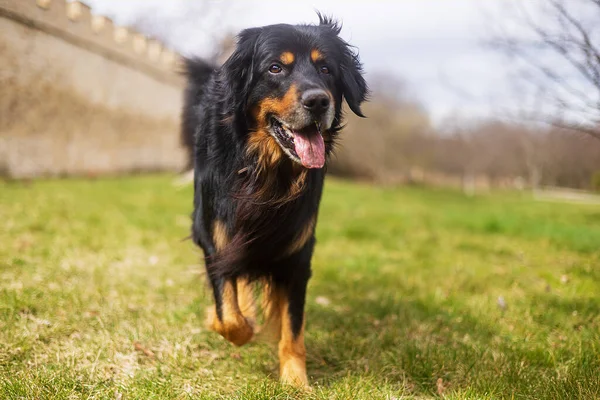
239 68
354 86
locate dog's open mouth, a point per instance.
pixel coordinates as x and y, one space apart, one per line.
305 145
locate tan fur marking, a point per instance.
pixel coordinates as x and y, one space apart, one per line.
246 299
278 326
265 147
271 308
292 353
269 154
316 55
220 238
302 237
260 142
234 326
298 183
278 106
287 57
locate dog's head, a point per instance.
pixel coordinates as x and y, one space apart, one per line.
288 82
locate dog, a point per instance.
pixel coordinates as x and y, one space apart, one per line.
264 125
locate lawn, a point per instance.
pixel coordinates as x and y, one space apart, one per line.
416 293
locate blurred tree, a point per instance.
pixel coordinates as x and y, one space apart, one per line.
391 140
556 46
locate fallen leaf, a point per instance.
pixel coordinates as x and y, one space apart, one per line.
440 386
147 352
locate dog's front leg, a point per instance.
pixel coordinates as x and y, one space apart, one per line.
289 300
227 318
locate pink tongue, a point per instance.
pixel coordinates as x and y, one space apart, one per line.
310 148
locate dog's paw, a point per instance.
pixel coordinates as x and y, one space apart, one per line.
235 328
293 373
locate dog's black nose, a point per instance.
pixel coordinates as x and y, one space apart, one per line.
316 101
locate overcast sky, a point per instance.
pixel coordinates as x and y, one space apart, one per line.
434 45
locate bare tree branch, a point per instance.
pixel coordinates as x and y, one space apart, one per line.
563 56
591 53
596 2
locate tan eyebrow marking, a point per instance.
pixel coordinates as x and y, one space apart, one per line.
316 55
287 57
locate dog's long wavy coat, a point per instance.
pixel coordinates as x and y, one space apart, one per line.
264 125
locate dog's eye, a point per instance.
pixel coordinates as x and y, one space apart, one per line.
275 69
324 69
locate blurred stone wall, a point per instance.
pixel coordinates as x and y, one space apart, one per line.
81 96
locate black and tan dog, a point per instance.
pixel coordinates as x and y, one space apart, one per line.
264 124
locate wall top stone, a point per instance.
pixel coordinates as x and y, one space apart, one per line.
74 22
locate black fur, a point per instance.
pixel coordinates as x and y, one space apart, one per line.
260 216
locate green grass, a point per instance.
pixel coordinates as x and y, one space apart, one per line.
403 302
